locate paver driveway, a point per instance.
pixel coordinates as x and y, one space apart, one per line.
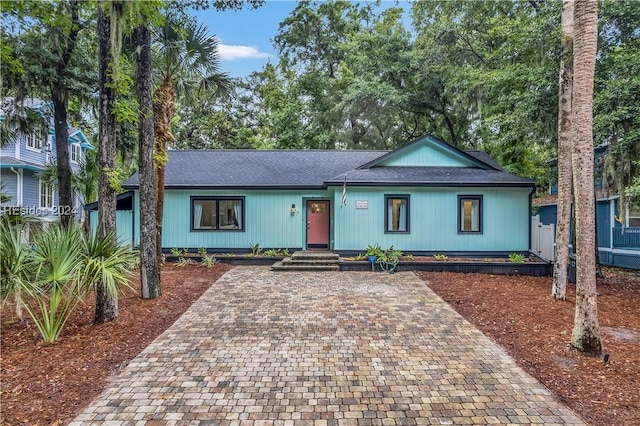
331 348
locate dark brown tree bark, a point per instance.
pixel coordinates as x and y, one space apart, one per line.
149 258
60 102
59 97
106 304
163 109
563 225
586 330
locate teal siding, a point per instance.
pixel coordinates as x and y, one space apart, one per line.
268 218
124 225
433 220
427 153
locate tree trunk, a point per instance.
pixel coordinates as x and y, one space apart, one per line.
150 283
560 270
586 331
163 112
60 102
106 304
59 97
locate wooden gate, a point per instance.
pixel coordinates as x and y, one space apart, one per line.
542 239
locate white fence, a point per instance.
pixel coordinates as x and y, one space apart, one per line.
542 239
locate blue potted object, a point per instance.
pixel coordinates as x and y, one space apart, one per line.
372 261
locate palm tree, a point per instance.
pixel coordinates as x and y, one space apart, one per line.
586 331
185 59
558 290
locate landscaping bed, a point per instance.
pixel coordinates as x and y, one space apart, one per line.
520 315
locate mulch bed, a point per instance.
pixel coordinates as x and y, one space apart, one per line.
49 384
520 315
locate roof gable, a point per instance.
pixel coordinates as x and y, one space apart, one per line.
427 151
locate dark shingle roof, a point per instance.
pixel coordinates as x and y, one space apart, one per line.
316 169
257 168
431 176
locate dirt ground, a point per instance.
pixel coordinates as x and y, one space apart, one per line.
520 315
50 384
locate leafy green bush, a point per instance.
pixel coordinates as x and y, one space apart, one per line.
63 267
175 251
272 252
516 257
202 251
255 249
184 261
208 260
374 250
440 257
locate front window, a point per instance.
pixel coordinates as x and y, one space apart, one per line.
46 195
217 213
34 141
396 213
75 153
470 214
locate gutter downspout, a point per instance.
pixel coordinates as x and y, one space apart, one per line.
19 180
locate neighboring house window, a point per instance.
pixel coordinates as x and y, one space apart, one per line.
46 195
470 214
634 216
396 215
75 153
217 213
34 141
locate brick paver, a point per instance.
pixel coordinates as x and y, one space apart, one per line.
325 349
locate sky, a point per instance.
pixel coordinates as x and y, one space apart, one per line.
246 36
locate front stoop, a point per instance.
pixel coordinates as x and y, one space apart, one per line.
309 261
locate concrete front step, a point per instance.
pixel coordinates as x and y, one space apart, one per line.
309 261
319 262
281 266
319 255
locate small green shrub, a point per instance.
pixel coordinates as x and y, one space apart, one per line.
272 253
408 256
175 251
360 256
374 250
284 252
255 249
227 254
184 261
208 260
440 257
516 257
202 251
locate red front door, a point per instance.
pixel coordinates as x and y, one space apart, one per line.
317 224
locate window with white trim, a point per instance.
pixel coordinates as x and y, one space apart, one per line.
76 153
470 214
34 140
46 195
633 218
217 213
